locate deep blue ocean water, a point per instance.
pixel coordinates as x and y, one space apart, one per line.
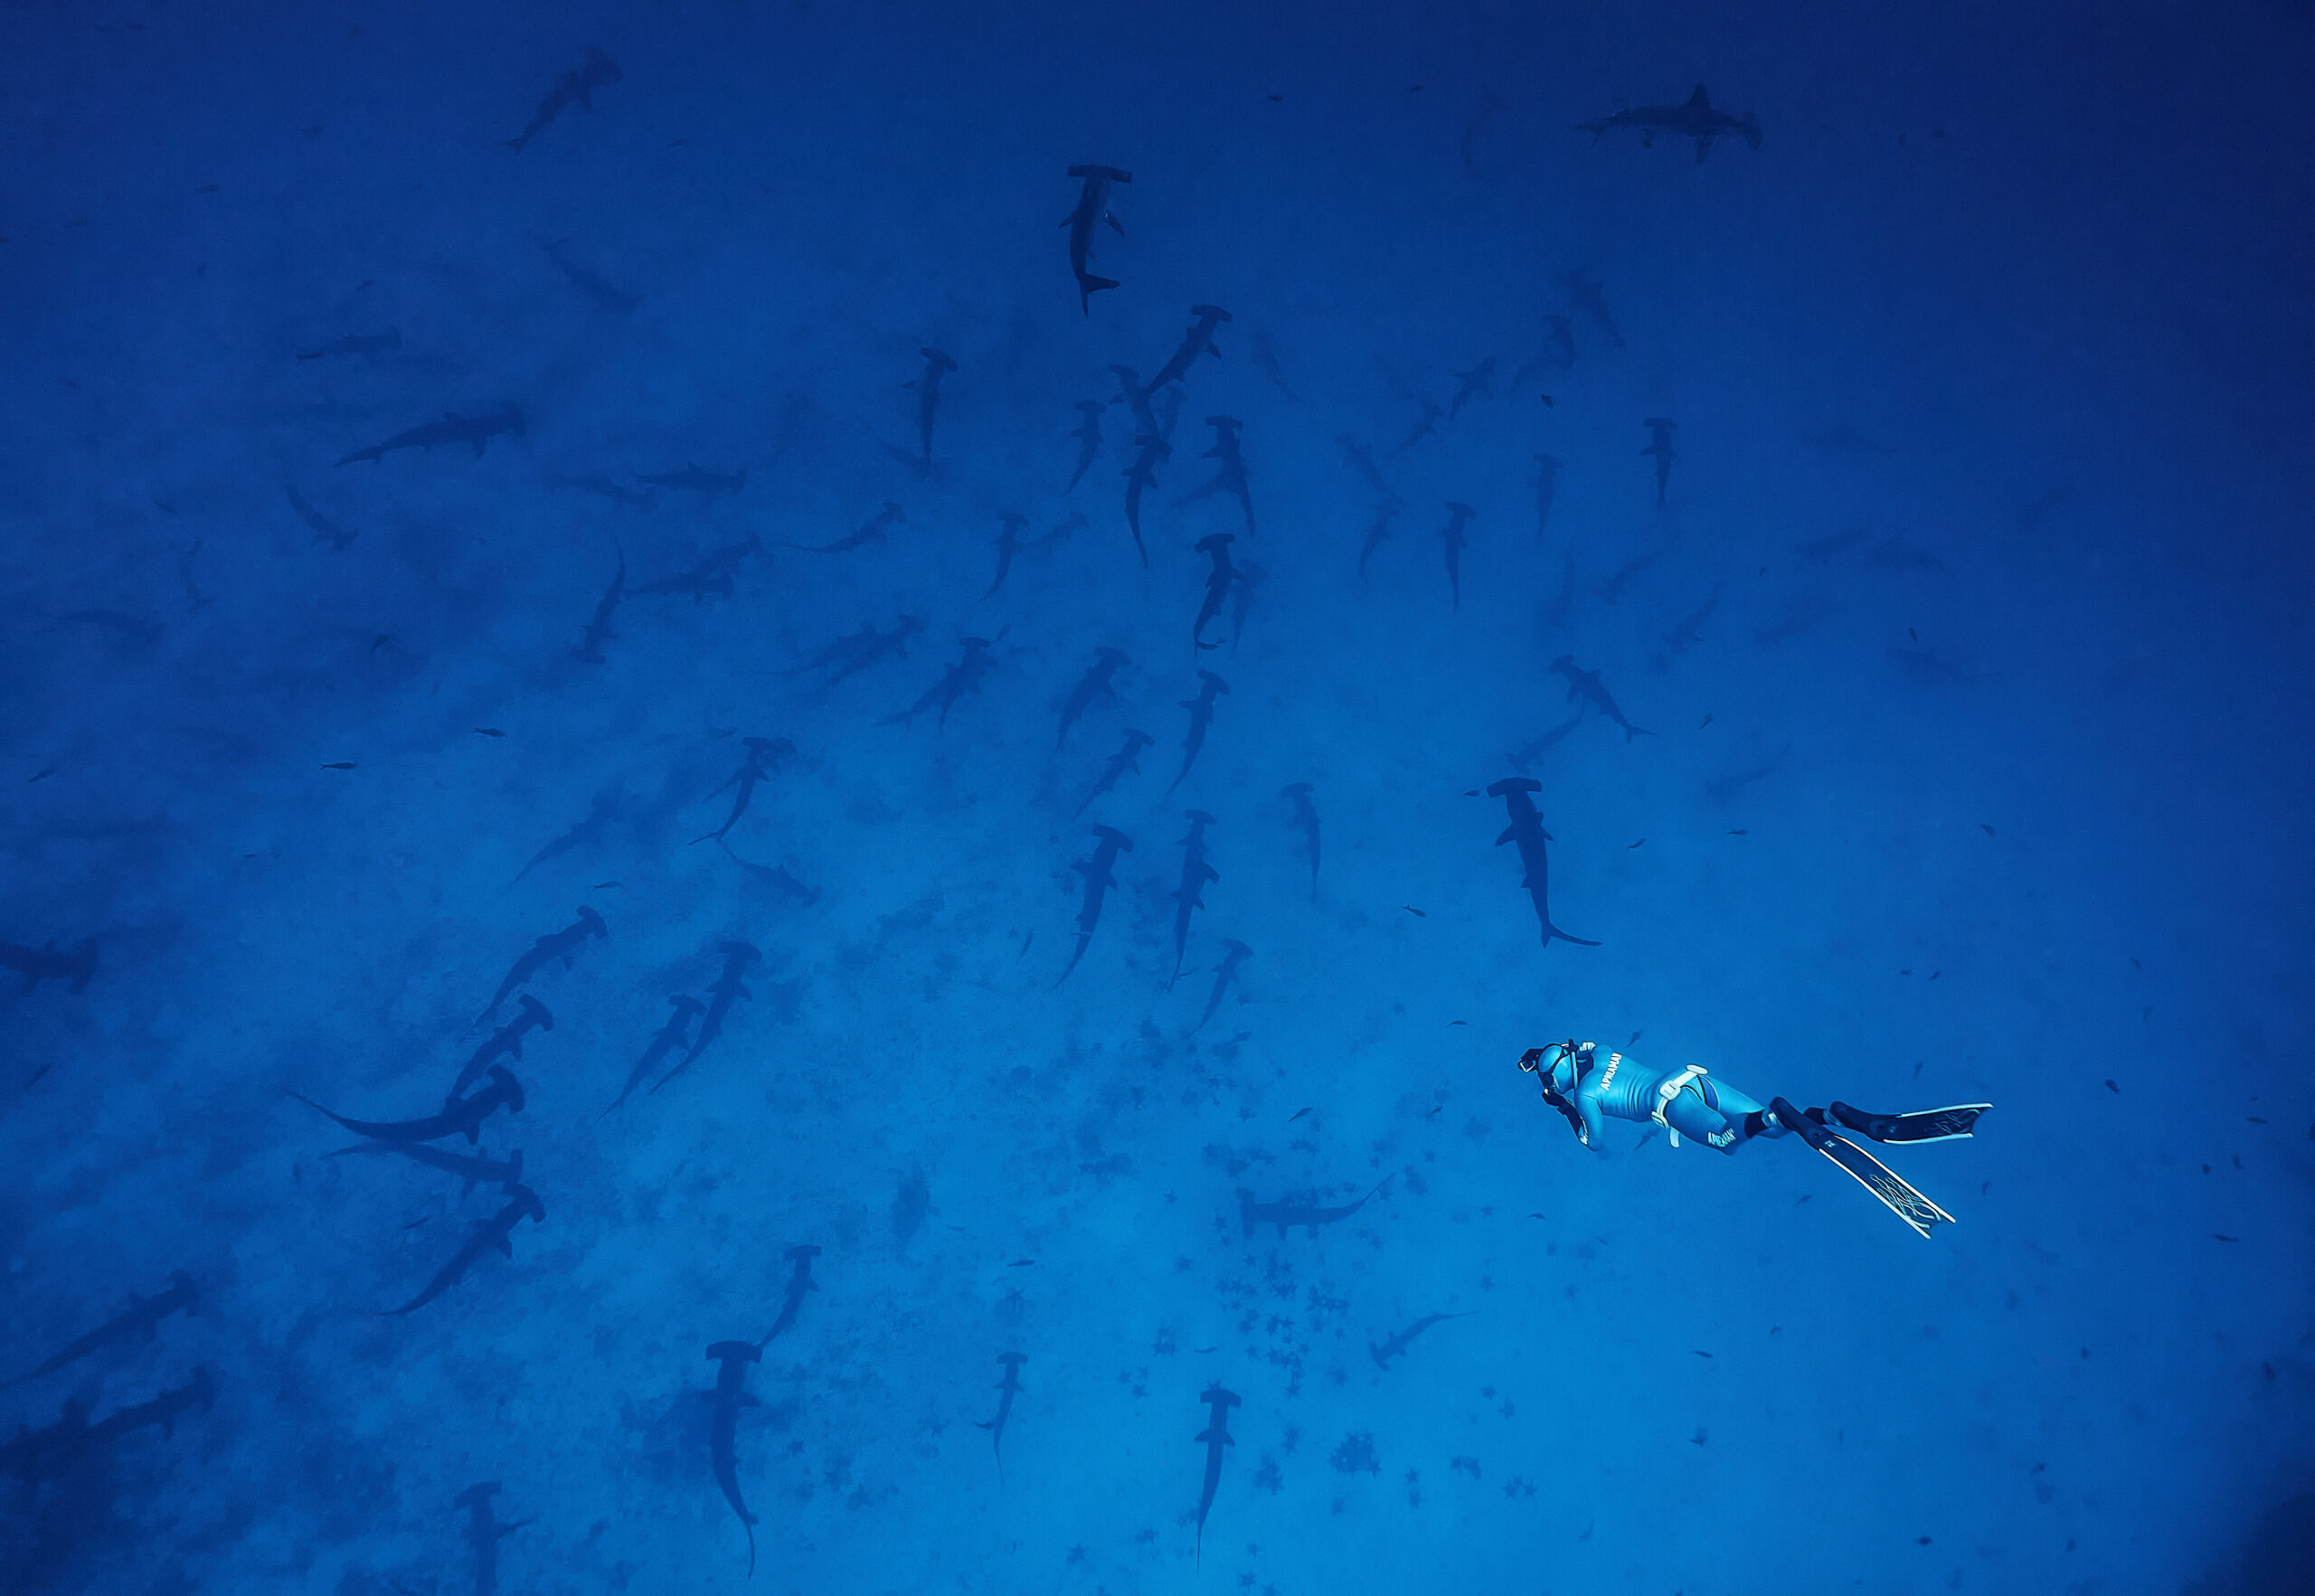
1965 643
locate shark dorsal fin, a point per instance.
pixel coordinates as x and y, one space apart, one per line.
1700 99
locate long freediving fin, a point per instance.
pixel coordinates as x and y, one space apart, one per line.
1945 1124
1885 1184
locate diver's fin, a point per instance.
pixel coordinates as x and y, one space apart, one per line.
1892 1189
1926 1125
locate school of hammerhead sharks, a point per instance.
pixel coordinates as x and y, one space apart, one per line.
486 1086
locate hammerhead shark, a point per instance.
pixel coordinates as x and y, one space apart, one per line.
76 968
1216 547
1305 821
563 944
1660 446
1225 976
728 989
1546 486
1376 532
1088 441
1008 543
472 1171
363 343
710 486
854 652
1526 830
1458 517
665 1040
801 1285
461 1116
504 1043
1213 1438
477 430
1359 457
1121 764
1587 296
732 1360
1230 474
1251 578
142 1318
1384 1350
1092 210
494 1234
1585 686
483 1532
1479 382
1139 477
1100 875
764 757
1210 688
576 87
972 663
599 625
927 395
1198 340
1287 1212
1091 687
1006 1390
1558 353
1197 869
870 531
1695 119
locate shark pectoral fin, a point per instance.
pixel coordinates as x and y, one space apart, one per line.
1111 218
749 1401
1508 831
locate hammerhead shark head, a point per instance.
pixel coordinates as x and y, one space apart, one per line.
1006 1390
1526 830
1695 119
1088 441
1139 477
870 531
732 1360
1092 210
563 944
801 1285
1225 976
576 87
76 968
927 395
461 1116
1458 517
1100 875
483 1532
765 755
1121 764
1198 340
1305 821
142 1318
504 1043
665 1040
1216 547
1213 1438
494 1234
599 625
1661 434
1093 687
477 430
1189 897
1230 474
964 676
1210 688
1286 1213
1585 686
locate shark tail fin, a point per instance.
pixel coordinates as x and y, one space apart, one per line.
1552 932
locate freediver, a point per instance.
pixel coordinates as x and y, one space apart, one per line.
1690 1102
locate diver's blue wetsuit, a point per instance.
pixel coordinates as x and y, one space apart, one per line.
1588 1091
1687 1102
